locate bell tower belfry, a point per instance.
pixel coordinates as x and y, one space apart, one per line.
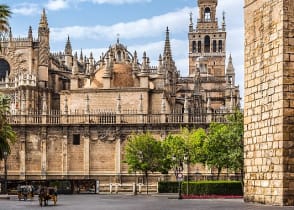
207 39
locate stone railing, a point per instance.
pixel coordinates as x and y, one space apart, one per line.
55 118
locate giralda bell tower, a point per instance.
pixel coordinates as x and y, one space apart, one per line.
207 40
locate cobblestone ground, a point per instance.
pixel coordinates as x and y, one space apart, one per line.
127 202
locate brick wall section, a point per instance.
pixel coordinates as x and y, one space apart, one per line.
288 112
268 110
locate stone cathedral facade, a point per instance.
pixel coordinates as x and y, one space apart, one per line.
73 113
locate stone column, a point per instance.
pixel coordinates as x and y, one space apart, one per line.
43 153
43 158
22 156
64 156
118 156
86 156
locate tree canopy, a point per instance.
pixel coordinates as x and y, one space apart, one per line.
224 144
144 153
5 13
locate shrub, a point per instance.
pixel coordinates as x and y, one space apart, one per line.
213 188
168 187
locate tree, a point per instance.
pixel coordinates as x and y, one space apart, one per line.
217 147
236 132
144 153
5 13
224 145
186 144
7 135
194 141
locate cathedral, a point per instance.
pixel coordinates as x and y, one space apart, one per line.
73 113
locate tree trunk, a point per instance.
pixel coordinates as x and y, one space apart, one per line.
146 175
218 172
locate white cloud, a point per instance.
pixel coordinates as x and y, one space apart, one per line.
57 4
154 28
142 28
26 9
117 1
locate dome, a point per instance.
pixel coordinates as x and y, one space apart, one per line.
121 76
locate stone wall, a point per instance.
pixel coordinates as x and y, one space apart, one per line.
269 102
47 152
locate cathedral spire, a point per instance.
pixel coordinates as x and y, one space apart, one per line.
191 22
68 48
10 34
81 56
30 33
43 21
167 48
230 72
230 67
224 21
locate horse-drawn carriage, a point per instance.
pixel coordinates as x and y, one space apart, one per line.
25 192
46 194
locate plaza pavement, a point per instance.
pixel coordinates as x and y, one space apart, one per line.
130 202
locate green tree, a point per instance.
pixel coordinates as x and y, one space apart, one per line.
224 144
186 144
194 141
5 13
7 134
236 132
144 153
217 147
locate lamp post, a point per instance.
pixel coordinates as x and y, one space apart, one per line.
187 159
179 175
5 154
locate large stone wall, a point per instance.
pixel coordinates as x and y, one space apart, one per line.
47 152
269 102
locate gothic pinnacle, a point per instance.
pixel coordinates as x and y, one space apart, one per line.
167 48
43 21
68 48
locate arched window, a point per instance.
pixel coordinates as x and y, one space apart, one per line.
4 68
119 56
220 45
207 14
199 46
214 46
207 44
194 46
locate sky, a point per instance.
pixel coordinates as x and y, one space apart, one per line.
94 25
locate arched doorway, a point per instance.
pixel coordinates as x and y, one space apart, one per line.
4 68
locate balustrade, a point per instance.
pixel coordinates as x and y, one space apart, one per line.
54 117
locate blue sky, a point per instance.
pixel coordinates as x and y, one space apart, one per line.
93 25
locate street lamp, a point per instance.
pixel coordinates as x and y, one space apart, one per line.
178 173
5 154
187 159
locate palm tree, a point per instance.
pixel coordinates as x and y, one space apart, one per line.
7 134
4 25
4 15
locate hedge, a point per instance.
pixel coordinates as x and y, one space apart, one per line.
168 187
203 187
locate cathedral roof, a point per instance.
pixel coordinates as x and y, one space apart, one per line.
121 76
